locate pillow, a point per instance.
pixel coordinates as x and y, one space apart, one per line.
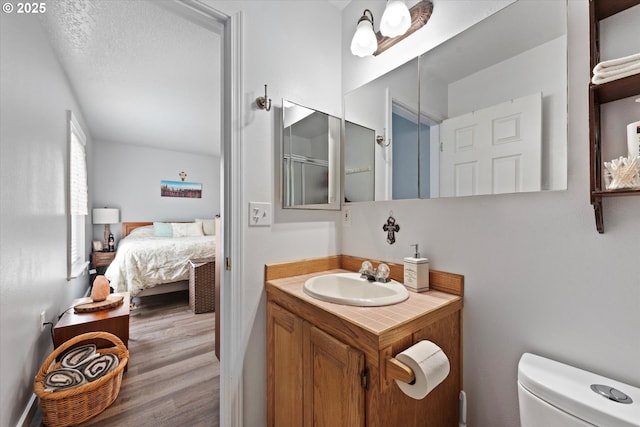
144 231
187 229
208 226
162 229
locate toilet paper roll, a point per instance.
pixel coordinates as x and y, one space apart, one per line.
430 366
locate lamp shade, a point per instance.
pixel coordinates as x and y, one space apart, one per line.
106 216
364 41
396 19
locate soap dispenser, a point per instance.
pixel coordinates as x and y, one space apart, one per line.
416 272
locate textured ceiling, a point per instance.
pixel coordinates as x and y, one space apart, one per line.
143 72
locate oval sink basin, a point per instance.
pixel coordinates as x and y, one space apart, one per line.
351 289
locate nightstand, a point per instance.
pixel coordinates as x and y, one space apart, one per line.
100 261
114 321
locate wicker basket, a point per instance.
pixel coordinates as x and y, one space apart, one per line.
201 285
76 405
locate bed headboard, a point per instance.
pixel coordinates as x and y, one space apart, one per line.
128 227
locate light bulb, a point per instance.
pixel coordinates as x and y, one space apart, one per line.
364 41
396 19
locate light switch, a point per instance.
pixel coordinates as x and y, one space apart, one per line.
259 214
346 216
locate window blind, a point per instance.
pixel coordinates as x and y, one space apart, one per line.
78 198
78 172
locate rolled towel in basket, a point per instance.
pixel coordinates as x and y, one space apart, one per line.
63 378
76 357
100 366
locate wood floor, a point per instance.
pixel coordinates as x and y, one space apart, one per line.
173 375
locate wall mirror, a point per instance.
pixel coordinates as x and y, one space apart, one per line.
310 158
491 115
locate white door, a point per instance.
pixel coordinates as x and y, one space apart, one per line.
493 150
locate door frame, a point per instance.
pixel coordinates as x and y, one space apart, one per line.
231 366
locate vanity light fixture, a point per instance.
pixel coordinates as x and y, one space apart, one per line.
397 23
396 19
364 42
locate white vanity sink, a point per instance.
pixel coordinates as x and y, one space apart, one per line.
351 289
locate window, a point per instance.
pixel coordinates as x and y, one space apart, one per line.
78 195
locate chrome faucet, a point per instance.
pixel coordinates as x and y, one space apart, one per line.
381 274
367 271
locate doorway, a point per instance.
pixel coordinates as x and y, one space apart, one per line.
83 33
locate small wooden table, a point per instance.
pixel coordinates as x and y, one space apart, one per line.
100 260
114 321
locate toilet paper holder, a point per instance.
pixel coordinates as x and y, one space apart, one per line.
396 370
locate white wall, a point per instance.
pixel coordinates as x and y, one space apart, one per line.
538 276
35 97
288 45
128 177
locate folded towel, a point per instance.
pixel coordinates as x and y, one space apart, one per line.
616 63
615 69
63 378
76 357
99 366
620 69
608 77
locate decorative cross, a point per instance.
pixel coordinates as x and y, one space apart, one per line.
182 175
391 228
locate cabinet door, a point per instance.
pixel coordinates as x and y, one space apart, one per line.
333 392
284 368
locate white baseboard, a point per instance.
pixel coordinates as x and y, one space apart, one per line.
30 410
28 413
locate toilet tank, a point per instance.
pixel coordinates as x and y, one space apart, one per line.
551 393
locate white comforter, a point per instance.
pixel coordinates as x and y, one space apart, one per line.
144 261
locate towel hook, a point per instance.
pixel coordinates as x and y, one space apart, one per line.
263 102
381 138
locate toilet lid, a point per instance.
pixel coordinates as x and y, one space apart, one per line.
569 388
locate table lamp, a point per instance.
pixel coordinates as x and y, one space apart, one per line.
106 216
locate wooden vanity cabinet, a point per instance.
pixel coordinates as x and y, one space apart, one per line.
316 380
325 368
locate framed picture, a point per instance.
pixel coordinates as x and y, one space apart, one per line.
97 245
180 189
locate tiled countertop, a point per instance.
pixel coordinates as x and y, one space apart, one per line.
376 320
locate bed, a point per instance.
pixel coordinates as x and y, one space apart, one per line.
152 260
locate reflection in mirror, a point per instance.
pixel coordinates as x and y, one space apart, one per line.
493 115
310 158
410 153
372 106
359 163
499 90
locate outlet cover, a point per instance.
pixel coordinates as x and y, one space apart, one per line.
259 214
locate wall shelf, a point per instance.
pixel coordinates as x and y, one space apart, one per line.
617 89
602 94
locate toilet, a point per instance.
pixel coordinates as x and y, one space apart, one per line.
553 394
